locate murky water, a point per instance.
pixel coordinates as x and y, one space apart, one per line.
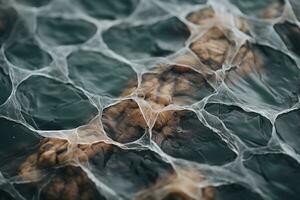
150 99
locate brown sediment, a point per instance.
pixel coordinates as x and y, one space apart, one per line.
202 17
174 85
208 17
212 48
125 121
57 152
181 186
70 183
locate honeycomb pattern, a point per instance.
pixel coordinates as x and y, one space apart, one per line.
150 99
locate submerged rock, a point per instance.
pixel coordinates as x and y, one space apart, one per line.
132 107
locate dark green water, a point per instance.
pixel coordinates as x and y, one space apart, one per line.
64 62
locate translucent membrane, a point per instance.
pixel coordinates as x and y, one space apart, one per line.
140 99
